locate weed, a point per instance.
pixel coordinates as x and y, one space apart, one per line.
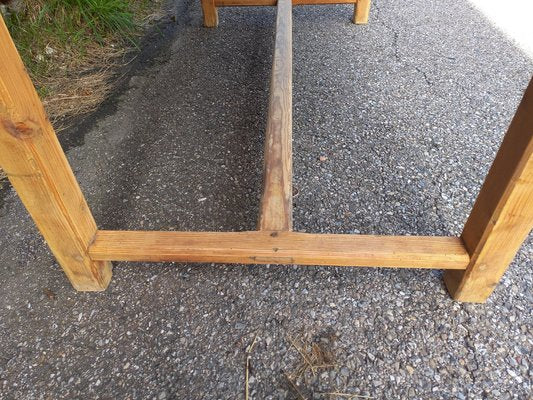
66 44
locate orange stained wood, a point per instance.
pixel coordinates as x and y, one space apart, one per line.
237 3
210 13
37 168
276 202
361 12
502 215
264 247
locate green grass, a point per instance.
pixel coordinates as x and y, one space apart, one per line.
72 48
65 28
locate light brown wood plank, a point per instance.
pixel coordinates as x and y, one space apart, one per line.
38 170
319 2
210 13
361 12
276 202
262 247
502 216
254 3
244 3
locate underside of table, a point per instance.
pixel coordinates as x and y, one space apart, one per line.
36 165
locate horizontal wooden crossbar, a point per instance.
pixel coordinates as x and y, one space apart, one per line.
255 3
263 247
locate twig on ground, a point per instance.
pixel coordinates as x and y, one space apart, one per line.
305 358
249 350
251 345
347 395
294 387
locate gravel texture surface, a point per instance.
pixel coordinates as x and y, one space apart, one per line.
395 126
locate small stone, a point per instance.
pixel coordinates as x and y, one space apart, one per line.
345 371
322 158
239 326
410 369
50 294
162 395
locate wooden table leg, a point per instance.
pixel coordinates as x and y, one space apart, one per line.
38 170
502 216
361 12
210 13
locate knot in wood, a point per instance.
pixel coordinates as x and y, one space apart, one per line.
21 130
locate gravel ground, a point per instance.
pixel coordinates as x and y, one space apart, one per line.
408 112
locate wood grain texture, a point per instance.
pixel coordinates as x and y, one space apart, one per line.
38 170
502 216
361 12
262 247
210 13
276 202
236 3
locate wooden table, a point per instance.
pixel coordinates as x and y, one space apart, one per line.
209 7
38 170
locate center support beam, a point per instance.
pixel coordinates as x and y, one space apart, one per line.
276 202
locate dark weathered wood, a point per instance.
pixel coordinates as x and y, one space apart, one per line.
276 201
38 170
262 247
502 216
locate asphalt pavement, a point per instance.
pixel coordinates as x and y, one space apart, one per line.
395 126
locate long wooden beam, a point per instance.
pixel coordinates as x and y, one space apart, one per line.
276 202
262 247
255 3
275 212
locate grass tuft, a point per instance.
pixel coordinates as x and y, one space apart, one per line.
72 47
